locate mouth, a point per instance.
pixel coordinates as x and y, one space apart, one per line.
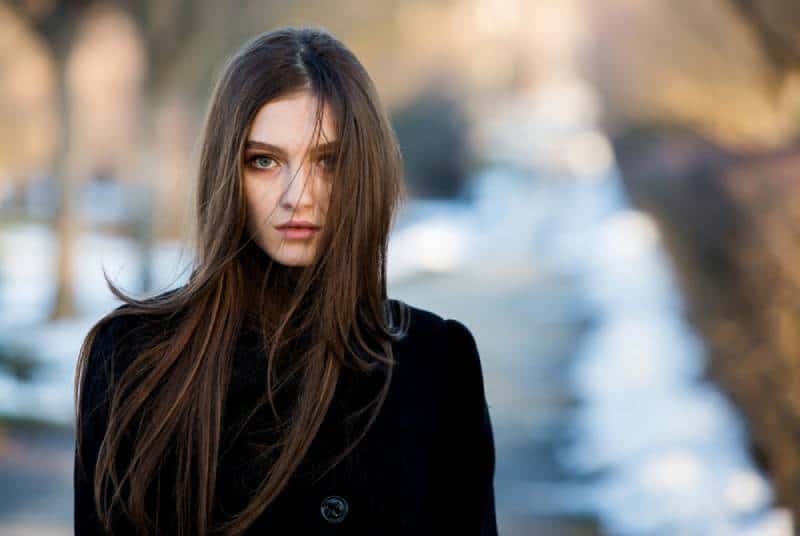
298 231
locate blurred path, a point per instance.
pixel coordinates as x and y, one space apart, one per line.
526 325
36 475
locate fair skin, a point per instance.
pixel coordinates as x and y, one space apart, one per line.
286 179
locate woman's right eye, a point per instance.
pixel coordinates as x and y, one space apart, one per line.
261 162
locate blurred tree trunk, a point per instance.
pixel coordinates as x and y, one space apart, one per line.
183 41
166 27
55 23
65 224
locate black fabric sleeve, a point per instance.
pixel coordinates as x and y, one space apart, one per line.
469 458
94 398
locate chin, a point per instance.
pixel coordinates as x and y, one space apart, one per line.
288 254
293 262
301 258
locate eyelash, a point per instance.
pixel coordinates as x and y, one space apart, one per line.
328 159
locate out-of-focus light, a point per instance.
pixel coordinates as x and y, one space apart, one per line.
588 155
746 491
628 234
431 246
496 17
776 522
567 101
673 473
439 248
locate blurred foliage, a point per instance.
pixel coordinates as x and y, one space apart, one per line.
18 361
703 107
731 222
716 66
775 23
433 134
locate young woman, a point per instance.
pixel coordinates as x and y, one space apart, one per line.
279 391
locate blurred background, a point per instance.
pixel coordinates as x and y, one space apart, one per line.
604 191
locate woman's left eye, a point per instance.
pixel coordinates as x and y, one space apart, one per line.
261 162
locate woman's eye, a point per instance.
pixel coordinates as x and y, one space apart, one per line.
262 162
328 162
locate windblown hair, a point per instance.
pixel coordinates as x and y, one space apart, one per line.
314 320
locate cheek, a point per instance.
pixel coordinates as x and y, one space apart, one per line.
260 202
325 198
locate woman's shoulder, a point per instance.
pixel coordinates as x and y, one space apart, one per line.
424 322
122 332
430 333
440 362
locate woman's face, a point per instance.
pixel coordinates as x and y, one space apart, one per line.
287 182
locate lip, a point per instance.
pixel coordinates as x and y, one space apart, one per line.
297 229
297 233
297 224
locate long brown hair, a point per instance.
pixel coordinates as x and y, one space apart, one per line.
314 320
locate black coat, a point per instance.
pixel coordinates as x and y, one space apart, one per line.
425 467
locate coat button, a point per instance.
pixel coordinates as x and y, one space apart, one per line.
333 509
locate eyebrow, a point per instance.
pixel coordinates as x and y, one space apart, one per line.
280 151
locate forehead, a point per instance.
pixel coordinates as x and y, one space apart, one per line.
289 122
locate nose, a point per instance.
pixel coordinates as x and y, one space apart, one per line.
298 189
